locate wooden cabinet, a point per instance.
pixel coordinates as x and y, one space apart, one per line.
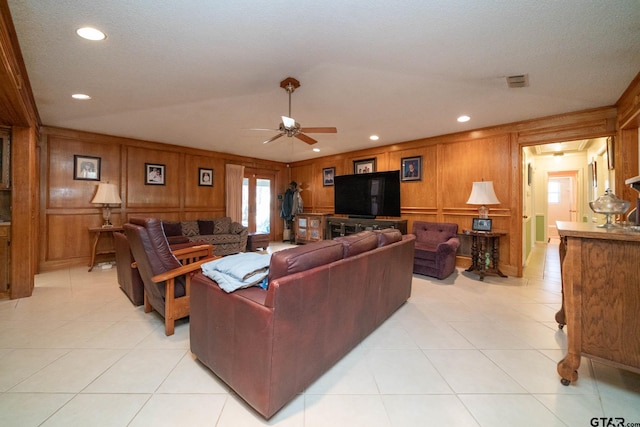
310 227
339 226
600 296
5 261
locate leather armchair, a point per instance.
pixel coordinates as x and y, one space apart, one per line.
128 278
436 247
167 281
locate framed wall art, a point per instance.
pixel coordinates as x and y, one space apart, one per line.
610 153
327 176
364 166
205 177
86 168
411 168
154 174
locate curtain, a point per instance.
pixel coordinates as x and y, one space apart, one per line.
234 177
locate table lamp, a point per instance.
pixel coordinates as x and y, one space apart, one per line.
483 194
106 195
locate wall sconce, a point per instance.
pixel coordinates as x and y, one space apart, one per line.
106 195
483 194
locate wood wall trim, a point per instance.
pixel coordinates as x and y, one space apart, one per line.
629 106
75 135
17 106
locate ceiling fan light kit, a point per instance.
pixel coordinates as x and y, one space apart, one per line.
289 126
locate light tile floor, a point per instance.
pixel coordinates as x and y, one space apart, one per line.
460 352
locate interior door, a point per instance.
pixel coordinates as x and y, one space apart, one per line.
562 200
257 189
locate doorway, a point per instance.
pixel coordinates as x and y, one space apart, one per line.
562 199
257 188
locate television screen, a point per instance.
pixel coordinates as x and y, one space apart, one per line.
368 194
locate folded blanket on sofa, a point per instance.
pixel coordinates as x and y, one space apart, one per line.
238 271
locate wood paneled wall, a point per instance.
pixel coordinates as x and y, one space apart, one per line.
67 212
451 163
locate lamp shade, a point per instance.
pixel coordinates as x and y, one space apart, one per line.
107 194
482 193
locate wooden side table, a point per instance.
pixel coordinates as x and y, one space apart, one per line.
98 232
485 252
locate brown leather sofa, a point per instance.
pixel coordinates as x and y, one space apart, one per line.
322 300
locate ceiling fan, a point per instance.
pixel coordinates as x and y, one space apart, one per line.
289 126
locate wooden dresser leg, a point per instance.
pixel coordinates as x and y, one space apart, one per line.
568 368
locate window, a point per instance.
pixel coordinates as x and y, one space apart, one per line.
554 192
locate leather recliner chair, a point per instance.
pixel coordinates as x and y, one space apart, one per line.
167 281
128 277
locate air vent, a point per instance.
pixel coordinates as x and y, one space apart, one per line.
515 82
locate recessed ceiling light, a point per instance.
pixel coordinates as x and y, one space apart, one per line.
463 119
80 96
317 150
374 137
90 33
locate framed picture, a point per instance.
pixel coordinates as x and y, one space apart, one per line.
411 168
154 174
327 176
594 173
86 168
364 166
529 174
205 177
481 224
610 153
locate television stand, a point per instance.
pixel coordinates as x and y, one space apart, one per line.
341 226
362 217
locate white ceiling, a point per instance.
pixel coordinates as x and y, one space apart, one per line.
201 73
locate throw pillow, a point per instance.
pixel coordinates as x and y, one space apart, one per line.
205 227
172 228
221 225
236 228
190 228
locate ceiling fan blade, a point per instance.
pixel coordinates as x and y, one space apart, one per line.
274 138
319 130
271 130
305 138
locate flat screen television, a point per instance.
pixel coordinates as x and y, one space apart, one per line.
367 195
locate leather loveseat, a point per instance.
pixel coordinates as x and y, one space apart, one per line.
436 247
322 300
227 237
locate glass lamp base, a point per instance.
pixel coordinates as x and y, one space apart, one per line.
483 212
106 215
